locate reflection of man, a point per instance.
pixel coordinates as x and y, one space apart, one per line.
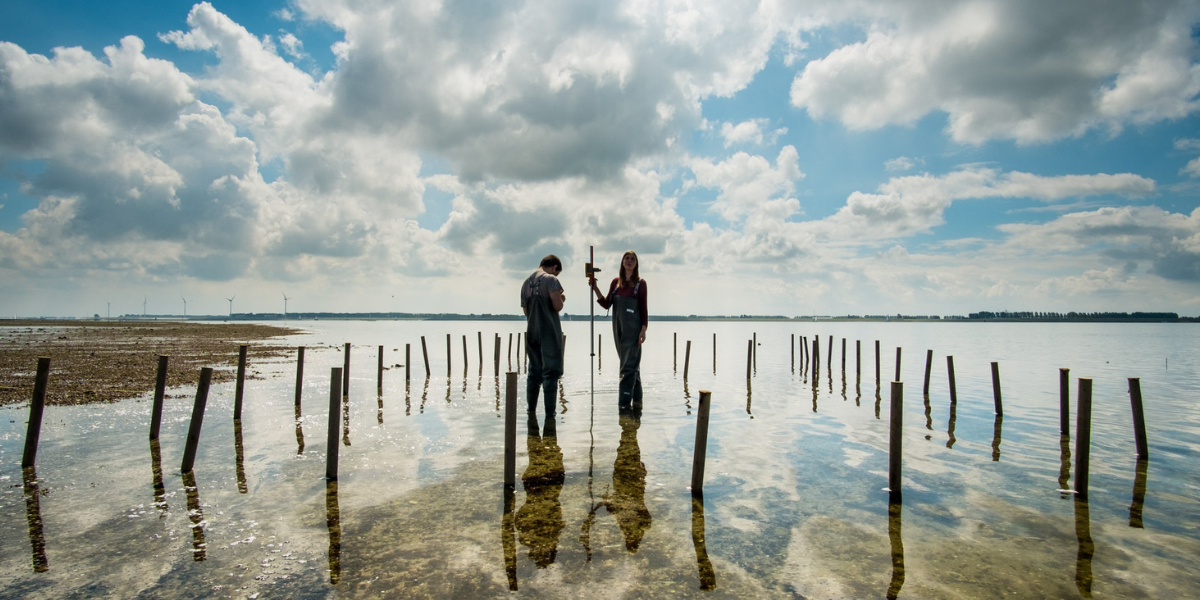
541 300
540 519
628 501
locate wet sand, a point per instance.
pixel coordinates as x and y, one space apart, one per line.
106 361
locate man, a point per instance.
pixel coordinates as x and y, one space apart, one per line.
541 300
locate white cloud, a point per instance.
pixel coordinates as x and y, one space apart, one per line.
1192 168
1022 70
750 132
292 44
902 163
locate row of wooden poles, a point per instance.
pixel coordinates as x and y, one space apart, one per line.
340 383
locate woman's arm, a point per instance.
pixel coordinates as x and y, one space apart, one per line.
605 302
644 311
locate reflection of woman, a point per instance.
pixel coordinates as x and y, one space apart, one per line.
628 501
540 520
627 295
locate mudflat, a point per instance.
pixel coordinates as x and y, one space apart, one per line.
106 361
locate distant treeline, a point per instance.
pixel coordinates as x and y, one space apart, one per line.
1076 316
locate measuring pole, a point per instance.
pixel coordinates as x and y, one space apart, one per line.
592 319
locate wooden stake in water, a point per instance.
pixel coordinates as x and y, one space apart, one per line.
674 351
996 388
792 346
701 447
465 366
1064 401
950 374
509 351
408 362
33 431
510 429
928 369
448 349
160 390
193 437
897 364
687 359
519 355
1139 419
346 371
497 356
714 353
894 442
299 374
755 347
425 354
241 383
331 438
479 334
379 373
877 379
843 358
1083 440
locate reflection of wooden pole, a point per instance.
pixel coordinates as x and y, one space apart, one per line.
331 439
996 388
928 369
1083 439
687 359
241 383
510 429
425 354
299 374
1139 419
193 437
894 445
33 513
708 576
36 406
160 390
1139 493
701 442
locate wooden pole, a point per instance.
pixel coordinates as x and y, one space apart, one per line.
897 364
792 346
465 366
379 373
241 383
425 353
299 374
687 359
448 349
600 351
1139 419
829 357
701 442
193 437
479 335
714 353
894 445
331 437
674 350
815 354
1064 401
843 357
950 374
497 356
37 405
749 356
510 351
1083 440
519 355
408 362
928 369
755 347
346 371
858 359
160 390
510 429
996 388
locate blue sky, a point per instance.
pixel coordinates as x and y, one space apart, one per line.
865 157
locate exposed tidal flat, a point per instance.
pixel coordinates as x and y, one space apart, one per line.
793 502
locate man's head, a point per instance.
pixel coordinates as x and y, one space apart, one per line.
551 264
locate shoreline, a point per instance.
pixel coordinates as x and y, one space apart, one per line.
107 361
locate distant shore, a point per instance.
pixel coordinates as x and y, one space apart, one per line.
106 361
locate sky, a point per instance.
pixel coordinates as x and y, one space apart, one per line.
840 157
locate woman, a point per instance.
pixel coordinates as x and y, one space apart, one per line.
627 293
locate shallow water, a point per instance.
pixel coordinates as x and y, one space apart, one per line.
794 501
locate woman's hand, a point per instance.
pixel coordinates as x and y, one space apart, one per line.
642 335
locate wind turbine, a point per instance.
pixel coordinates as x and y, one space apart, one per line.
285 299
184 304
108 311
231 304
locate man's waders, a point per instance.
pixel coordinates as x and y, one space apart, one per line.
627 326
543 340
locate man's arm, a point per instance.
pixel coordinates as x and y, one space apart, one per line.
557 297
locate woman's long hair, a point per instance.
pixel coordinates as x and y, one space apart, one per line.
636 263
